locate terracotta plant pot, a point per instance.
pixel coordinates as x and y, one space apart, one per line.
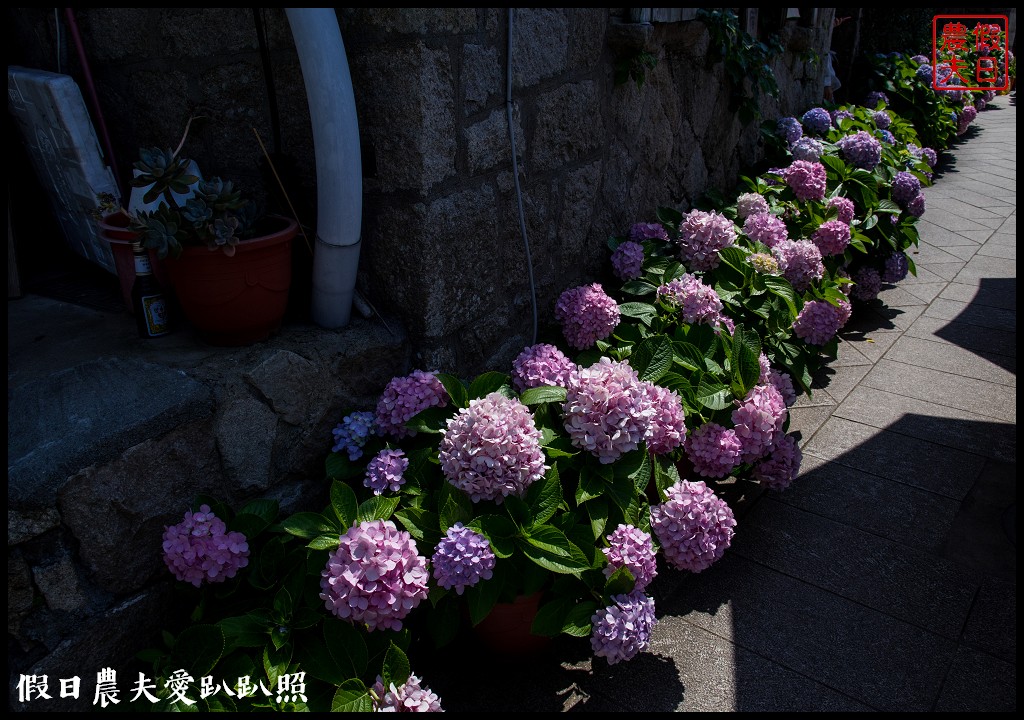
506 630
241 299
114 229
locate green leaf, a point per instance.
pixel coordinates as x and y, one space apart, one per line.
620 582
551 616
352 696
636 467
340 467
638 287
346 646
712 395
518 511
432 420
396 667
344 503
308 525
644 312
276 661
597 511
499 530
888 206
545 496
782 288
652 358
623 493
456 389
324 542
577 622
665 475
421 524
589 487
487 383
264 509
746 368
543 394
454 511
734 257
244 631
377 508
481 598
669 216
550 549
687 355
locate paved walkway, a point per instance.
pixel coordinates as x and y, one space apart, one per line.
885 578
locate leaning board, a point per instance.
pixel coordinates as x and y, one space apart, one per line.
62 143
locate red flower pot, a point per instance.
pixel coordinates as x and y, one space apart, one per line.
506 629
241 299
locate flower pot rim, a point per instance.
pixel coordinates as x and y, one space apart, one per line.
281 234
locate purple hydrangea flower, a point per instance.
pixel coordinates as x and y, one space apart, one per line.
352 432
404 397
779 469
749 204
807 148
667 423
698 303
967 116
628 260
491 449
819 321
887 137
724 321
925 73
623 629
411 697
845 208
587 314
896 267
539 365
882 119
800 262
764 263
807 179
631 548
839 115
861 149
647 231
766 368
782 382
385 471
832 237
916 206
758 421
765 228
702 235
980 104
375 576
693 525
868 284
714 450
905 187
790 129
200 549
920 59
462 559
607 410
817 120
876 97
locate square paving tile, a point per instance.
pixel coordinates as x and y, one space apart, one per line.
948 358
968 312
973 337
978 682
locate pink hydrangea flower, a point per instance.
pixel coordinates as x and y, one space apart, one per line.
702 235
782 382
782 465
758 421
749 204
622 630
491 449
405 397
200 549
800 262
832 237
868 283
714 450
766 228
631 548
666 428
845 208
628 260
410 697
819 321
375 576
647 231
807 179
539 365
607 410
693 525
587 315
697 302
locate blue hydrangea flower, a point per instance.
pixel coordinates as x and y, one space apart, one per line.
462 559
352 433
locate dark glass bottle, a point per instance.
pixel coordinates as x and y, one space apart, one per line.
148 301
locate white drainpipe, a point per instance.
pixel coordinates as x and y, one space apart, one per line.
339 171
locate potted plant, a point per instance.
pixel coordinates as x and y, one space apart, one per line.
230 266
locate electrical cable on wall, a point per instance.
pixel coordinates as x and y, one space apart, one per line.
515 175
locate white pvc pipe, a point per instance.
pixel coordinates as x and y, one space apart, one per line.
339 172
